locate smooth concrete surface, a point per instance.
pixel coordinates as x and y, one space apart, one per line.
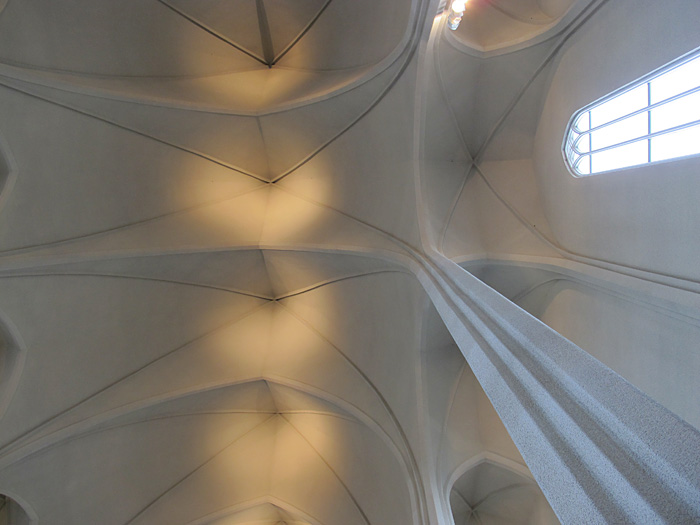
236 239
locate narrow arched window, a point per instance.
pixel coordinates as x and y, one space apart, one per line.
654 119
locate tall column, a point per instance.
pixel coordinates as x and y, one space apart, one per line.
601 450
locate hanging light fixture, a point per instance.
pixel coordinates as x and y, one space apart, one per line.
456 12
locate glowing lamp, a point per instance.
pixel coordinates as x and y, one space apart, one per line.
456 12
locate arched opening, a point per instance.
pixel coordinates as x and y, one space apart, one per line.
12 513
491 494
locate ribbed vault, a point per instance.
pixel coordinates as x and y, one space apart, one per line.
490 494
500 26
219 291
223 265
226 400
287 416
225 56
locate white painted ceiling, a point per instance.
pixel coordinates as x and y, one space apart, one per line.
208 215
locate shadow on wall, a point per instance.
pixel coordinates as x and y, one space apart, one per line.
8 172
11 362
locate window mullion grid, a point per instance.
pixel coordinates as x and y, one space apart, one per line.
645 137
576 136
648 107
576 164
590 144
649 122
575 143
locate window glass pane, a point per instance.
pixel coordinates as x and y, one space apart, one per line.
628 129
629 155
620 106
676 81
581 123
595 139
677 144
681 111
584 166
583 144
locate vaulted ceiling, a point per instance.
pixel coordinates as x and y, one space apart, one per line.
207 329
210 215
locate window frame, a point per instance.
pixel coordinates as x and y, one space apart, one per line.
646 79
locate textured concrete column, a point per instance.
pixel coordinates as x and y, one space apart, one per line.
601 450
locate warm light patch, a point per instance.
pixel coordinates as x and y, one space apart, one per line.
291 220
